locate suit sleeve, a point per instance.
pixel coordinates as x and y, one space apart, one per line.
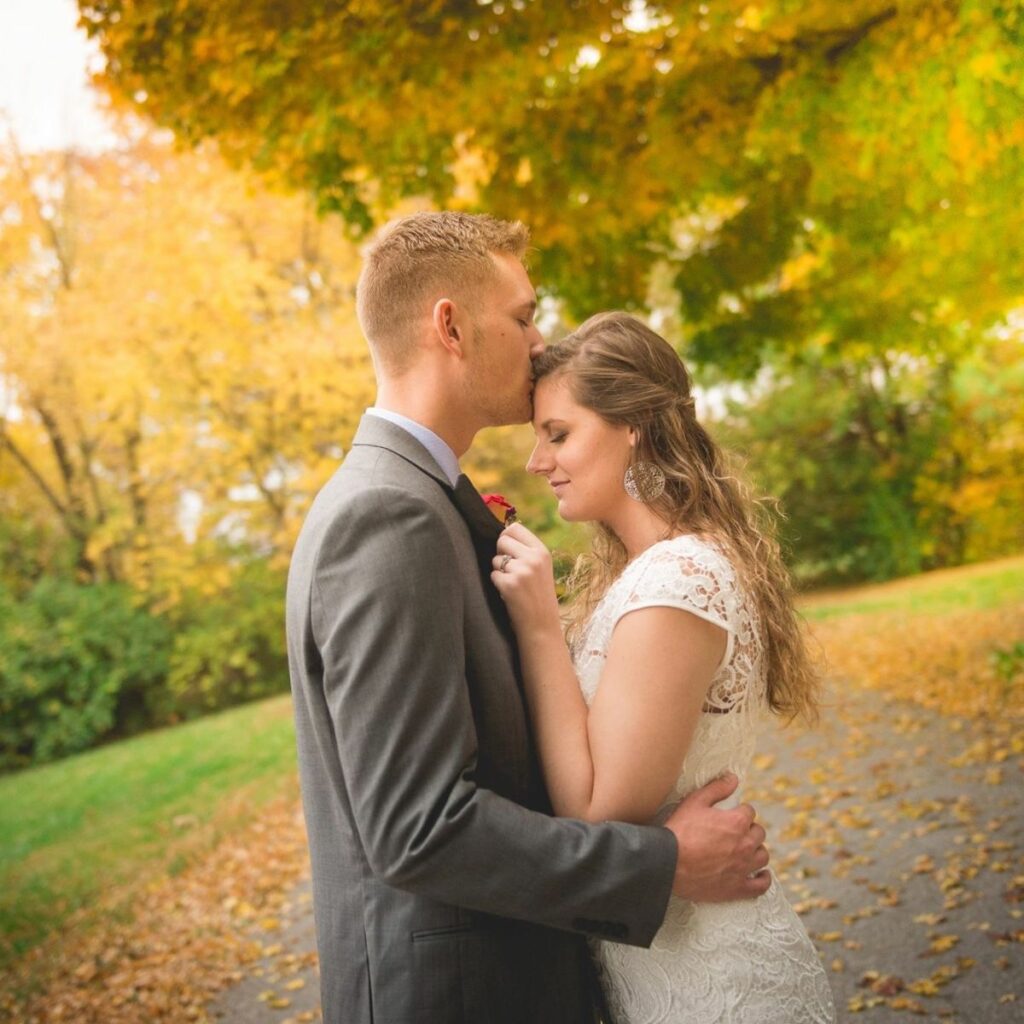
388 620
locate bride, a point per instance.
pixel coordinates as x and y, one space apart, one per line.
681 634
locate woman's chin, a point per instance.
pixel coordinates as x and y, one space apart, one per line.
565 511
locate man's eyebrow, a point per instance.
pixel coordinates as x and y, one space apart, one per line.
530 304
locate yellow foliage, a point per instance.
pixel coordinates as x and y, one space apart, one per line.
940 661
180 358
795 272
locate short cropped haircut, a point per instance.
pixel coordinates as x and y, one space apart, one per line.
422 257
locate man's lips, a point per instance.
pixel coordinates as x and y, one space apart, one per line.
555 484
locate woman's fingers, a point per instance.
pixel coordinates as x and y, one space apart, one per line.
501 561
520 533
509 544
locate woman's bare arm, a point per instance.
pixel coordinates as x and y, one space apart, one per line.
619 759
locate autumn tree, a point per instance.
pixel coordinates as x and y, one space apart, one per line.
180 363
820 188
835 175
180 371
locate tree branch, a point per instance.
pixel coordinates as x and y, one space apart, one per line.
838 50
37 478
60 248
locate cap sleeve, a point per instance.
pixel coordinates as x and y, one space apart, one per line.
688 574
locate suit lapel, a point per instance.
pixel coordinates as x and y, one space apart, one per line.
484 528
481 521
376 432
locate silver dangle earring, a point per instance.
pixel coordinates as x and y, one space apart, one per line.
644 481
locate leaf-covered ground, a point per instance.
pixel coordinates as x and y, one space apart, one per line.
184 939
898 835
896 827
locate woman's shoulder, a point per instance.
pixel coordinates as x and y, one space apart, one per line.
687 571
690 554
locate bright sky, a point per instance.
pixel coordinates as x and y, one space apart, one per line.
44 62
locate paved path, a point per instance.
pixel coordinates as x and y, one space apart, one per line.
901 835
898 834
284 986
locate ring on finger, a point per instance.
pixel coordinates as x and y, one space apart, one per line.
504 562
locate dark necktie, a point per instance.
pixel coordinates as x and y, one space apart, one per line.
484 529
482 522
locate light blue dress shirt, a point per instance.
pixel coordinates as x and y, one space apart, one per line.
442 454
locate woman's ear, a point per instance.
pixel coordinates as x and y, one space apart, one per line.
634 436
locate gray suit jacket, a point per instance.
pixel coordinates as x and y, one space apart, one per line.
444 891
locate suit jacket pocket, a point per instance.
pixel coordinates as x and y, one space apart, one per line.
438 983
448 931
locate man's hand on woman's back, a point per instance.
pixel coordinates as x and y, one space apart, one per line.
722 855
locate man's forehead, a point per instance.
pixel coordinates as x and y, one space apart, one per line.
511 272
528 297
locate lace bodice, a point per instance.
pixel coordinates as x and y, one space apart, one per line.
694 575
749 962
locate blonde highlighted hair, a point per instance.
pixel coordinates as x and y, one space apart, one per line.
619 368
418 259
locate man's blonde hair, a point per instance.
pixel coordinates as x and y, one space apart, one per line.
419 258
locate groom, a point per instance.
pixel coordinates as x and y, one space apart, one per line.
443 889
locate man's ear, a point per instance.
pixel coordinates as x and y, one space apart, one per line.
448 327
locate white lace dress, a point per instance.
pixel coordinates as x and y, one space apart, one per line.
749 962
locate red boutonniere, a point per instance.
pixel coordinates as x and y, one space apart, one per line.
504 511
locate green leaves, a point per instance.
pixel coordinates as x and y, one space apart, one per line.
889 133
73 662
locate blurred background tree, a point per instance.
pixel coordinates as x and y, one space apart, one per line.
828 191
818 203
840 172
180 371
178 347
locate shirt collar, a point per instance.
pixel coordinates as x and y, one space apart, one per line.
439 449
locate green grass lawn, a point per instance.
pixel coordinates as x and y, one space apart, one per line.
988 585
130 811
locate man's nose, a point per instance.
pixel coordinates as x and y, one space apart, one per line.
537 344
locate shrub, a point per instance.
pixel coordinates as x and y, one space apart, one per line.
230 648
77 664
1009 665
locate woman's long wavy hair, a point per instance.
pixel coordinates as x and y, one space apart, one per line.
626 373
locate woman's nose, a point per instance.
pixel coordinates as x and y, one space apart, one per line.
537 462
